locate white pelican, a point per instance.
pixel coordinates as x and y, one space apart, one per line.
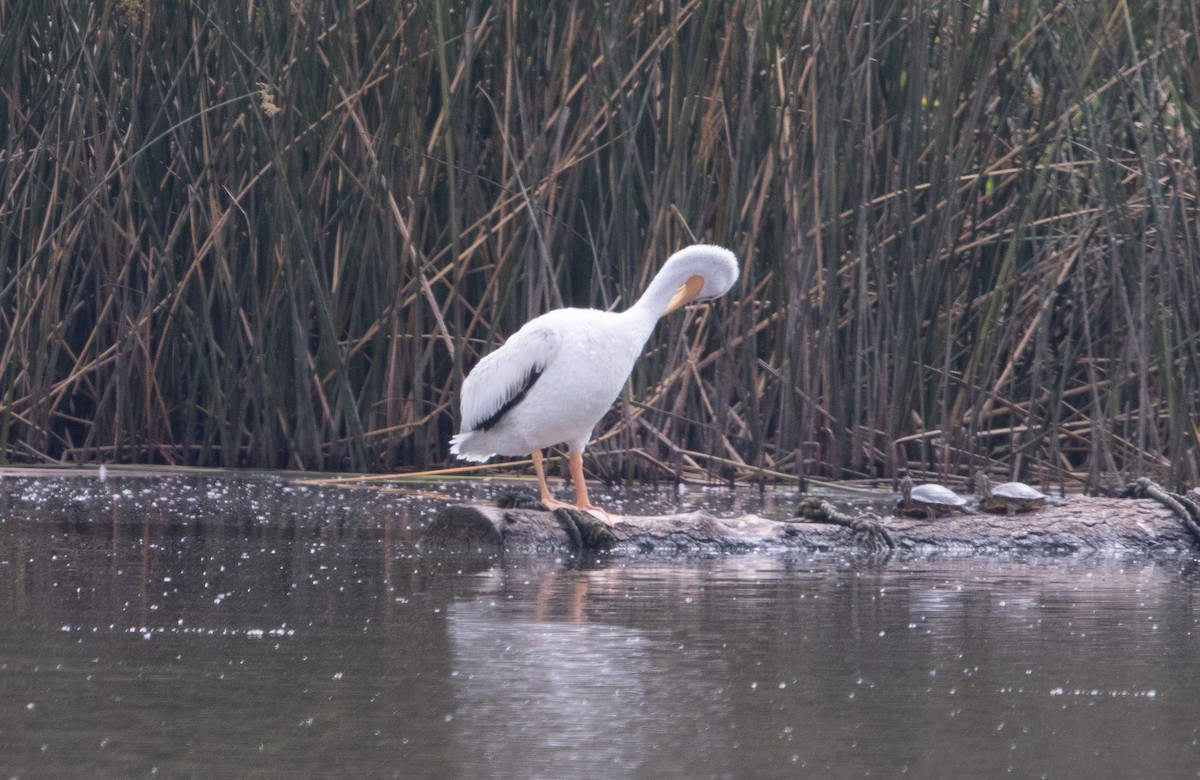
552 380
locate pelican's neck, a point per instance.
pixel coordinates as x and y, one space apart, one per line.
653 302
645 313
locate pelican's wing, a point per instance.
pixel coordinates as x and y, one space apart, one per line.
502 378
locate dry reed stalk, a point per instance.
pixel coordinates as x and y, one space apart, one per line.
263 238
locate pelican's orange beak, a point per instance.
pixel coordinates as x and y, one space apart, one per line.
686 293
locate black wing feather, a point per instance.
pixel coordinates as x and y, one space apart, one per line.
491 421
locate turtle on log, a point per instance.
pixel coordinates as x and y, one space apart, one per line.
1007 498
928 500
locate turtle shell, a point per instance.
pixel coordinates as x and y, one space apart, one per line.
928 500
1018 491
929 493
937 495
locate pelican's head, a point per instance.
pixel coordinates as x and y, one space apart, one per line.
704 271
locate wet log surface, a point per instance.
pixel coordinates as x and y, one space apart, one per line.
1077 524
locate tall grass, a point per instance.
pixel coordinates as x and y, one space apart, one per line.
276 234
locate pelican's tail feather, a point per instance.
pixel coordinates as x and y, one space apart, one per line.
460 447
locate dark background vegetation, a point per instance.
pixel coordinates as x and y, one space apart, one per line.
275 233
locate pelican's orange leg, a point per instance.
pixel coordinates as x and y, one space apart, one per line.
575 462
550 501
543 489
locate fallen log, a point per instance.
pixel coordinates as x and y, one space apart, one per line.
1077 524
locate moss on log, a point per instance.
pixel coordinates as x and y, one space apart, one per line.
1079 524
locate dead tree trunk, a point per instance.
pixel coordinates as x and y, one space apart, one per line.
1080 524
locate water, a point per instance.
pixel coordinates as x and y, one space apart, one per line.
211 626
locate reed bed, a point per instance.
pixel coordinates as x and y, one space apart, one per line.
276 233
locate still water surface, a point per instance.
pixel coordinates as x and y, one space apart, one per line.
215 626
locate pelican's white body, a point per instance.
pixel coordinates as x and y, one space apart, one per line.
583 356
